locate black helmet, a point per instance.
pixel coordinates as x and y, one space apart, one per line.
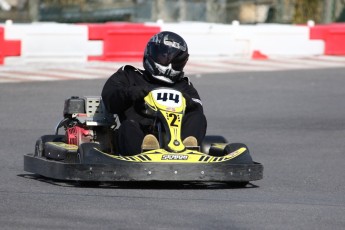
165 56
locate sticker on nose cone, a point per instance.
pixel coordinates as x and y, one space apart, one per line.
175 157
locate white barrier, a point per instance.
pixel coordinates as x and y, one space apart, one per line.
52 42
209 40
285 40
206 39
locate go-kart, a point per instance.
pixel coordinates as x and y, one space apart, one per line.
87 151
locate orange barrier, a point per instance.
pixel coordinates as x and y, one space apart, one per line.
333 35
8 47
121 41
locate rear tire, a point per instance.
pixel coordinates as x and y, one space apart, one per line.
39 146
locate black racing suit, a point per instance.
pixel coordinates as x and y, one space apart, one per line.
117 99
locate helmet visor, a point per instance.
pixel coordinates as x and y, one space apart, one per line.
162 54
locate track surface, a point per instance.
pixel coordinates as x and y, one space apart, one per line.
293 122
26 72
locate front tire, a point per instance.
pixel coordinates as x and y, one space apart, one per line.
85 152
209 140
39 146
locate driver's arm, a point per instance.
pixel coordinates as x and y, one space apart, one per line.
115 93
193 100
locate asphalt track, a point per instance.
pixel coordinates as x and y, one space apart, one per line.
292 121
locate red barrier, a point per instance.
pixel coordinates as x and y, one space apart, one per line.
333 35
8 47
121 41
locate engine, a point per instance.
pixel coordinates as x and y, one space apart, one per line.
86 120
79 134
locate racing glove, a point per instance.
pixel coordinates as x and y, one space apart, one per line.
136 93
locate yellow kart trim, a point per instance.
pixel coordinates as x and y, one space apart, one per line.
187 157
65 146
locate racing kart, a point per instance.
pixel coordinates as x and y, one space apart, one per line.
87 150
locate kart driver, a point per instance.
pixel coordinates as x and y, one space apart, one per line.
165 56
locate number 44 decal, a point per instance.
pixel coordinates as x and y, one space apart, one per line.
172 97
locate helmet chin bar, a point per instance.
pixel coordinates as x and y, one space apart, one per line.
162 73
167 70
